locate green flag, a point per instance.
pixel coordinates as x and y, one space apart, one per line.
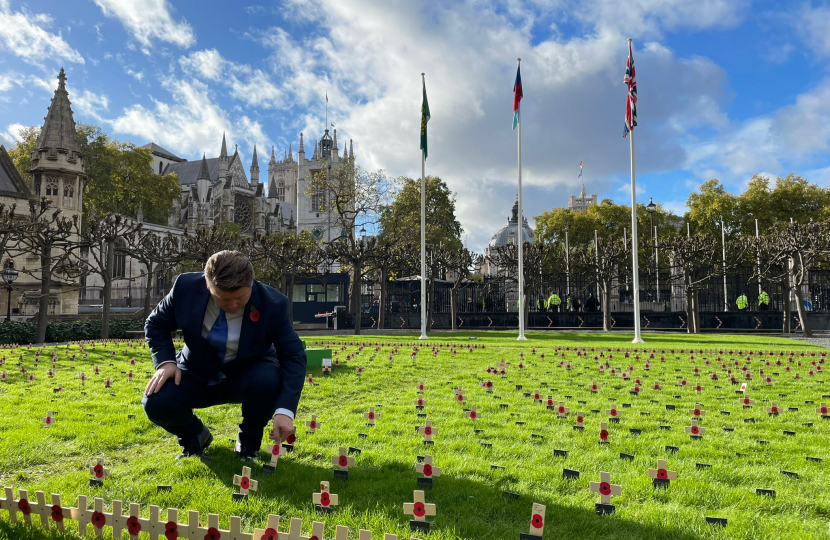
424 120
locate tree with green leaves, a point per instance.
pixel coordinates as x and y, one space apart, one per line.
710 205
402 218
120 176
198 246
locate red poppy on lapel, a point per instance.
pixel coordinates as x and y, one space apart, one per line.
254 315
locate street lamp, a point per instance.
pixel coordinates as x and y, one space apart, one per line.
651 207
363 231
9 275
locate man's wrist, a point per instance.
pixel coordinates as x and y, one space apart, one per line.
284 412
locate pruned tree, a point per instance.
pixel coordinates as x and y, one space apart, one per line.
279 259
693 261
102 238
197 246
605 263
537 257
458 262
392 258
788 255
159 253
54 239
352 199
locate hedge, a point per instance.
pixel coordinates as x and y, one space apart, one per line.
17 332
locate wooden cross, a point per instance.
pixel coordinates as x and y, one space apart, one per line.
50 419
822 410
459 395
562 410
662 472
488 386
698 388
317 530
312 424
698 411
324 498
3 376
170 528
603 431
549 402
773 409
472 414
537 520
82 376
594 387
370 416
427 468
276 451
98 471
428 431
359 370
746 401
605 488
695 430
420 402
580 416
270 532
342 460
310 380
421 387
419 509
537 397
769 381
612 412
244 481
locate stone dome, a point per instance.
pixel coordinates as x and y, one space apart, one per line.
510 233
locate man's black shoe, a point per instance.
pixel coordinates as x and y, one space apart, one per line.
245 454
198 445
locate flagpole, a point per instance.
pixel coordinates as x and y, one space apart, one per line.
521 240
423 240
635 263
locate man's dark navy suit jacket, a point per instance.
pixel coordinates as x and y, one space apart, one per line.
271 337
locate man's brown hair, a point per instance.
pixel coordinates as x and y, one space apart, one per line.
229 270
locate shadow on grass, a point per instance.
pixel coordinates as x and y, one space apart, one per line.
467 507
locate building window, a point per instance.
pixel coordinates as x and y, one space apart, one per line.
120 270
299 293
333 293
160 164
52 189
68 190
281 190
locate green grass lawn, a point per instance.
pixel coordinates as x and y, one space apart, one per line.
469 493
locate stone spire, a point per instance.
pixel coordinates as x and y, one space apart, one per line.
273 157
254 168
351 149
290 154
334 147
59 134
301 151
224 162
204 174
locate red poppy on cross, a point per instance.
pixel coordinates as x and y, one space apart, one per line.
244 481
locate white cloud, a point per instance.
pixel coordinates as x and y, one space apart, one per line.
90 104
251 86
149 20
6 81
811 24
573 91
191 125
137 75
21 34
208 64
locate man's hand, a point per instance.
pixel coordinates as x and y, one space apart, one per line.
164 372
283 427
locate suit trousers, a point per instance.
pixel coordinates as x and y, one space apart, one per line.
256 387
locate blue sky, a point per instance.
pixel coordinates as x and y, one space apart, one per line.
727 88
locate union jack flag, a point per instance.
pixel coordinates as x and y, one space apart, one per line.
631 101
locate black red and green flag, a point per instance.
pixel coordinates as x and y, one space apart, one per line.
424 120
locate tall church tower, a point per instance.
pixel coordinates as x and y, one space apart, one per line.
58 167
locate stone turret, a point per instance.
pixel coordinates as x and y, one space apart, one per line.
58 168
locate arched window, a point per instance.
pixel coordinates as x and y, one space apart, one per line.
281 190
52 189
120 270
68 189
